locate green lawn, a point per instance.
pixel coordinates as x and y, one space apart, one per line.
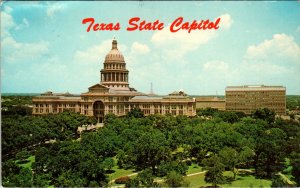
241 181
30 159
246 180
120 172
196 181
194 168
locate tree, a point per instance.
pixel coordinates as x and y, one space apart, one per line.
175 179
146 178
71 163
109 118
269 152
23 155
136 113
229 117
70 179
265 114
22 179
229 157
207 111
215 170
166 167
295 162
109 163
149 150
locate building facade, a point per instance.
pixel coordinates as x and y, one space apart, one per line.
113 95
210 102
247 99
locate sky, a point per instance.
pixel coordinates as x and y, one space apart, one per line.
45 46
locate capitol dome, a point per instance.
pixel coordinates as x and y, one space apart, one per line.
114 55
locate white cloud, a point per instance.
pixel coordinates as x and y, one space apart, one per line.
281 46
213 66
275 61
138 48
53 8
96 53
176 45
226 21
7 23
14 51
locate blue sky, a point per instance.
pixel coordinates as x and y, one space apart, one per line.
44 46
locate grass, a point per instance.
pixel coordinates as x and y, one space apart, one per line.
30 159
246 180
120 172
117 172
196 181
194 168
241 181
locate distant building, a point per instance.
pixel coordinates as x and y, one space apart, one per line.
113 95
247 99
210 102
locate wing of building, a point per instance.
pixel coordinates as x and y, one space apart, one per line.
113 95
247 99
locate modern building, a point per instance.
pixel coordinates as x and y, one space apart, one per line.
247 99
210 102
113 95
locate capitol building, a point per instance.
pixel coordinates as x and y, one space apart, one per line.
113 95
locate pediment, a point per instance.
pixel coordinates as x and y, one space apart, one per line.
98 88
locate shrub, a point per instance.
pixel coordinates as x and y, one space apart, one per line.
122 180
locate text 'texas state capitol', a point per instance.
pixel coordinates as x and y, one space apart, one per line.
113 95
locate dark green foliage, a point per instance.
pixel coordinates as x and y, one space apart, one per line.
293 102
229 117
9 168
206 111
277 181
215 169
166 167
109 163
269 152
295 162
157 145
132 183
174 179
230 158
149 150
22 155
264 114
146 178
17 110
19 178
136 113
70 164
19 132
14 100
